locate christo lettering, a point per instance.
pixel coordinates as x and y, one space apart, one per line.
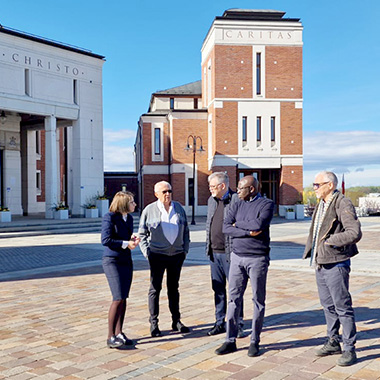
37 62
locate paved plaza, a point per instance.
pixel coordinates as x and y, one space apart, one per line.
54 301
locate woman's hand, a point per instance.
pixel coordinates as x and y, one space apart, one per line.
134 242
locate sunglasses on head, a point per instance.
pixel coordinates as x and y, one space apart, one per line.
167 191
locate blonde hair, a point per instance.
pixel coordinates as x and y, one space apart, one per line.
120 202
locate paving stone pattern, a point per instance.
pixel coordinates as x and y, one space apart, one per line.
55 326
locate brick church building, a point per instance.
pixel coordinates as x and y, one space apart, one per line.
244 116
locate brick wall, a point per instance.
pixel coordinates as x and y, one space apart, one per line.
291 185
233 71
182 128
226 128
291 129
283 69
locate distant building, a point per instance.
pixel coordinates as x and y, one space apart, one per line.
51 124
121 181
247 110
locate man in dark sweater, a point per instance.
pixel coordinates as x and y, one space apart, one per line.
218 247
248 224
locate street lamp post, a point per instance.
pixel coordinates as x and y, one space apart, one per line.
192 145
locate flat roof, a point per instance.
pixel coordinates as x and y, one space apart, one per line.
255 15
47 41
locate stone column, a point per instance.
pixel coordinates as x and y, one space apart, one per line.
51 166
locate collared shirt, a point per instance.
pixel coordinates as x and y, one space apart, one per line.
169 222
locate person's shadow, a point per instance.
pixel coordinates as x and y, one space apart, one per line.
308 318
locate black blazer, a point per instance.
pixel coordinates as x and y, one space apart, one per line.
114 232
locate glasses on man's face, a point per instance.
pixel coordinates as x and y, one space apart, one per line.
167 191
318 185
213 187
242 188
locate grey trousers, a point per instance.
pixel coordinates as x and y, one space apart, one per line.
336 301
242 268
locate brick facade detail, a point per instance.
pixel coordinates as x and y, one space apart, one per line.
283 70
291 185
291 129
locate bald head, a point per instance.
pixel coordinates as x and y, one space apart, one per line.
248 187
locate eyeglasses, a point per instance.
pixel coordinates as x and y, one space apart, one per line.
132 202
213 187
166 191
242 188
318 185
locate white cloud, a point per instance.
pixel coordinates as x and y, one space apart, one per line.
355 153
118 158
118 136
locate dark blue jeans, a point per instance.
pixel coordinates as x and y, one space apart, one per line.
333 284
220 268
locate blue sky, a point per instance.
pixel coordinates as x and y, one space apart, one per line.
152 45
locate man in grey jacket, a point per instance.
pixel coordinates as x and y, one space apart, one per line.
218 247
334 232
165 240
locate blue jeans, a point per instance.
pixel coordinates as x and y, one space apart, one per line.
255 268
333 284
220 268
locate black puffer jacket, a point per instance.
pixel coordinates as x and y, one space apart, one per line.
339 233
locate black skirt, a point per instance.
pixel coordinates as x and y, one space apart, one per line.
119 271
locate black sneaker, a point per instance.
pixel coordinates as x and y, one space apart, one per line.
331 347
124 339
347 358
253 350
217 329
226 348
155 331
179 326
114 342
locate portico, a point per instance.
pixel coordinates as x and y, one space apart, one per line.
51 126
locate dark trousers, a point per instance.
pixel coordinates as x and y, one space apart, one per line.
220 268
158 264
254 268
336 301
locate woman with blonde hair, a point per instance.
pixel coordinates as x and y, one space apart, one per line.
118 241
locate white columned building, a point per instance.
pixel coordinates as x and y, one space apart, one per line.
51 124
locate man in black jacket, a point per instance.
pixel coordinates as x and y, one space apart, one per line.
248 224
218 247
334 232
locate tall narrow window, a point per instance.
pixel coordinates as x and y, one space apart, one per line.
172 103
157 141
27 81
258 73
258 129
244 129
195 103
273 129
75 91
38 142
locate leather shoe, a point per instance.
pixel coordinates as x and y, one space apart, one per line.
179 326
217 329
124 339
155 332
114 342
226 348
253 350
